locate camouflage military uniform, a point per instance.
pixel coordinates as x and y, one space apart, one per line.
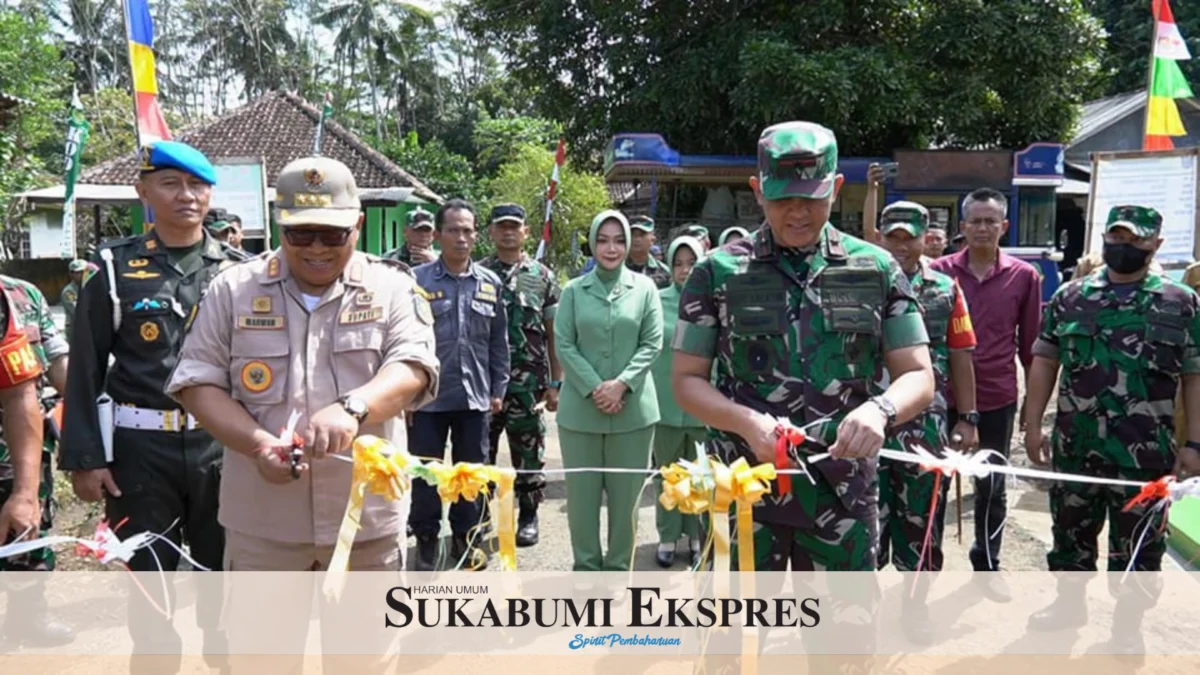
34 315
657 271
530 295
905 490
800 335
1122 354
402 254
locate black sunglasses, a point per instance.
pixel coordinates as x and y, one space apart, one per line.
330 237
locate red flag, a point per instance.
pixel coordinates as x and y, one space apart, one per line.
559 157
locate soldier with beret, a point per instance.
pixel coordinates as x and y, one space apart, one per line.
155 468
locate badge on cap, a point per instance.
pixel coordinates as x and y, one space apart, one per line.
256 377
149 331
314 177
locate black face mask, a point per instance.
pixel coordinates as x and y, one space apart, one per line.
1125 258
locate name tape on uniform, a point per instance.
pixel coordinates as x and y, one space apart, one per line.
362 315
261 322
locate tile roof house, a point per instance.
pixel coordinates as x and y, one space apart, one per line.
278 127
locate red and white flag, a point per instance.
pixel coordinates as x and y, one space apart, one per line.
544 244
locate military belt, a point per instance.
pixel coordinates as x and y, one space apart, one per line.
146 419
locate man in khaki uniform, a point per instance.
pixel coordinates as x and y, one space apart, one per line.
317 327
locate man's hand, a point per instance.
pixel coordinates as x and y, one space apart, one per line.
1037 446
330 432
1187 463
964 437
22 514
759 434
421 256
550 398
497 405
274 463
91 485
861 433
875 175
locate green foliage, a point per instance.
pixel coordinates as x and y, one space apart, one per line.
110 112
1130 27
883 74
498 139
445 172
525 180
32 68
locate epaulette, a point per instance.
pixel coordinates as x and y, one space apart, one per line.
402 266
123 241
235 254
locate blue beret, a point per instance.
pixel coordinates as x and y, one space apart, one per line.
175 155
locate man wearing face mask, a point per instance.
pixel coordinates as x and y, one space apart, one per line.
1125 338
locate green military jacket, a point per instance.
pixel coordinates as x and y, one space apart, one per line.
603 335
937 294
1122 355
800 335
33 315
668 408
531 294
157 301
658 272
402 254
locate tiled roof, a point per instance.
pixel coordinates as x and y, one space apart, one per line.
1096 116
278 127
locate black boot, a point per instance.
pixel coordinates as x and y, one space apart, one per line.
1068 610
32 624
426 560
473 558
527 527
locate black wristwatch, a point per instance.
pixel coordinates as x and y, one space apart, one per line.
885 404
971 418
355 406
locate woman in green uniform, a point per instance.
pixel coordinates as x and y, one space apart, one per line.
677 433
607 332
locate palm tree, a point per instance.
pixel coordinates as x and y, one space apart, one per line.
95 40
367 29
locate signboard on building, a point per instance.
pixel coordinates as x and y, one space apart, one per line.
953 170
1166 181
242 189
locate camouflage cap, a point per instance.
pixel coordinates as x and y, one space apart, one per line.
419 219
797 159
1142 221
643 223
77 265
908 216
317 191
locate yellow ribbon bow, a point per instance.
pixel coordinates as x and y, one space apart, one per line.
468 481
685 487
381 469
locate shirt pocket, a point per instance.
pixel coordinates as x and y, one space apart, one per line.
258 367
357 355
1076 344
146 324
1166 337
481 316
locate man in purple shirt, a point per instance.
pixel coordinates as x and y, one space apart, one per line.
1005 297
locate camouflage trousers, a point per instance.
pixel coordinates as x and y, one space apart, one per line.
905 498
1079 511
840 543
41 560
526 431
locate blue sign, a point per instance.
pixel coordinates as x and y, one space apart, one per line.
639 149
1046 265
1040 160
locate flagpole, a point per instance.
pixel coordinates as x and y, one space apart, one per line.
137 130
1150 70
559 157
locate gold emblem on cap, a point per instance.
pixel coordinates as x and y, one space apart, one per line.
305 199
314 177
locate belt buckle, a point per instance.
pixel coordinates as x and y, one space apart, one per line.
170 422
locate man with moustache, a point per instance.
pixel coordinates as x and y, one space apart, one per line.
164 470
640 260
1006 294
471 326
316 327
530 293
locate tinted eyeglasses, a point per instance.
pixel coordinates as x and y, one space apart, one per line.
329 236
